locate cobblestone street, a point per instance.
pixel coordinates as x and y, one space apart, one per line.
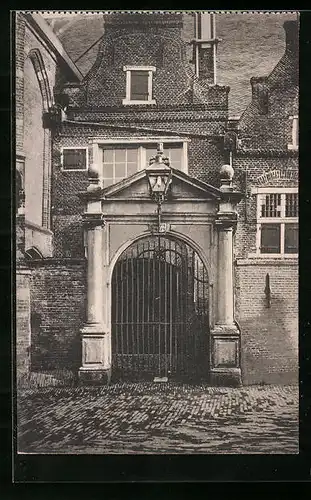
159 418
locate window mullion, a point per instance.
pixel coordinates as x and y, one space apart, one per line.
294 132
259 199
184 158
128 86
149 85
139 158
258 238
114 165
282 238
283 205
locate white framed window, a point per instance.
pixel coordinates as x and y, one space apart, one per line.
295 133
139 85
74 158
123 159
277 222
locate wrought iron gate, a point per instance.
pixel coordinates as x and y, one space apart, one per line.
160 311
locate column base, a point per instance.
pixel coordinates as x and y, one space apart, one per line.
229 377
96 376
95 369
225 356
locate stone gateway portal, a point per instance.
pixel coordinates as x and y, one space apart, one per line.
160 320
157 210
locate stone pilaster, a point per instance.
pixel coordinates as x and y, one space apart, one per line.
95 368
96 364
225 336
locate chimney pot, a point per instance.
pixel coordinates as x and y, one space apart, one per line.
260 93
291 36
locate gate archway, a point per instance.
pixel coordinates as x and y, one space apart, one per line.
160 311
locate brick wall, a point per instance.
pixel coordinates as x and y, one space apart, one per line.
58 298
23 337
269 334
204 161
255 171
269 345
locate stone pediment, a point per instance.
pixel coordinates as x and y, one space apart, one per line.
183 187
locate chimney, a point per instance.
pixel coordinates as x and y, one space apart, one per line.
205 46
291 36
260 94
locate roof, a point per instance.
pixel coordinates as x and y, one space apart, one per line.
48 35
251 45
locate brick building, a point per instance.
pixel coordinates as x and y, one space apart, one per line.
41 64
165 262
266 252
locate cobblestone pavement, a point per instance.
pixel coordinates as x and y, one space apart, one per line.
159 418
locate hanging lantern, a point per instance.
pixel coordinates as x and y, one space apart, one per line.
159 174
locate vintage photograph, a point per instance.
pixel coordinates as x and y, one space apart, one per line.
156 232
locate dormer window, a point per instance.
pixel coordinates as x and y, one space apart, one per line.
139 84
294 128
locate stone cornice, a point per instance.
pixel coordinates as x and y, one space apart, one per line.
232 196
226 220
135 128
92 220
140 108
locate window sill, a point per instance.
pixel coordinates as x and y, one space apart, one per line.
272 256
74 169
256 260
126 102
292 147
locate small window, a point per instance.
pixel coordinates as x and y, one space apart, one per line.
74 158
119 163
139 88
291 205
271 205
270 238
291 238
277 221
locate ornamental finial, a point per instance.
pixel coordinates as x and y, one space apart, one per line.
159 158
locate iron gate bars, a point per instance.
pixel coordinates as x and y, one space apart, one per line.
160 324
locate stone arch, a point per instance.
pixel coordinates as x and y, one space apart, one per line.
277 175
33 253
173 234
173 280
47 101
37 60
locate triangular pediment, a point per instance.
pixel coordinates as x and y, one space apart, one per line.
183 187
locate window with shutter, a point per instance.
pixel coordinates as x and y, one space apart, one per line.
139 88
74 158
